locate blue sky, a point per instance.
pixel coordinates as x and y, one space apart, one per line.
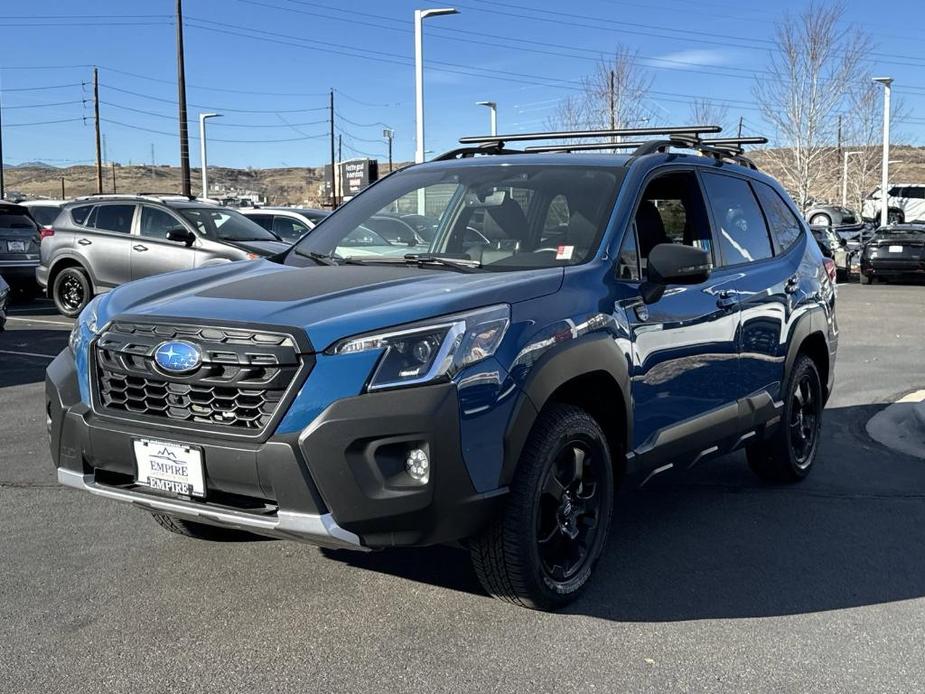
267 66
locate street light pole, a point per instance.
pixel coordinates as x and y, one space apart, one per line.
887 83
844 179
202 150
494 114
419 17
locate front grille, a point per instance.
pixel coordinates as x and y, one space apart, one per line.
243 379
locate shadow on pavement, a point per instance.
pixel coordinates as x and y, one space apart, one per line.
21 369
716 543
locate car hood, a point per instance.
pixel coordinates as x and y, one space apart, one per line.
264 248
327 302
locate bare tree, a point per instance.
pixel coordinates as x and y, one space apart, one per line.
613 96
816 61
708 112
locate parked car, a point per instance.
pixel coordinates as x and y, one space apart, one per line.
4 296
832 216
906 203
832 246
44 212
289 223
894 252
493 389
19 247
101 242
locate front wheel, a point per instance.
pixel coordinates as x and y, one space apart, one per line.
789 454
71 291
541 552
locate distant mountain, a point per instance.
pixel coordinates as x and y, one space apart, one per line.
30 165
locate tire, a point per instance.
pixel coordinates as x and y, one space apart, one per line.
202 531
788 456
71 291
531 556
866 279
821 219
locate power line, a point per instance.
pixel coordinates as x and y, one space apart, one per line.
56 103
212 125
211 139
44 122
215 108
44 87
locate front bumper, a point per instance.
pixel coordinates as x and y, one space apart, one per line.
338 483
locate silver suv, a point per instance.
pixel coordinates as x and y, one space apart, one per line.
100 242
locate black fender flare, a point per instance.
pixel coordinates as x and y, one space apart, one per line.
74 259
559 365
810 323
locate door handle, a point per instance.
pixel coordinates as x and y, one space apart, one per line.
138 247
726 299
84 242
792 284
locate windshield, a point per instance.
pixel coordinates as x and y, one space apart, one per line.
494 217
224 224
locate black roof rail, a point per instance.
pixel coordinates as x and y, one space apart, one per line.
465 152
584 146
693 130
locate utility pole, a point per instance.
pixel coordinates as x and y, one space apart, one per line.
388 134
333 163
113 164
340 149
153 164
741 121
96 116
613 105
181 100
2 186
839 135
63 196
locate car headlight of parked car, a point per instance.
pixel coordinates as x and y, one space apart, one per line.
87 326
426 352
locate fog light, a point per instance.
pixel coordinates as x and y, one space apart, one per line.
417 465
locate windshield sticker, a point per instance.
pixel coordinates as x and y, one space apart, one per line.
564 252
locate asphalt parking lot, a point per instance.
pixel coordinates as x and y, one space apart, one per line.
711 581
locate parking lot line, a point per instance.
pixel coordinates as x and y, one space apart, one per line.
39 320
27 354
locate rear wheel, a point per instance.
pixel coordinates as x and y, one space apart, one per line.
71 291
789 454
202 531
541 552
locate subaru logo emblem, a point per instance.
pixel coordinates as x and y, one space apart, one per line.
177 356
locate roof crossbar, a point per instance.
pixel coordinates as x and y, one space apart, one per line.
691 130
584 146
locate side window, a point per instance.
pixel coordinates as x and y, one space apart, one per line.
917 192
80 214
116 218
156 223
671 211
785 227
628 263
288 229
264 220
742 233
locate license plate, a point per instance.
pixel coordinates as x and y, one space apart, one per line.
16 246
170 467
895 249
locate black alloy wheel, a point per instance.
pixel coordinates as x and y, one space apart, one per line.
805 410
71 291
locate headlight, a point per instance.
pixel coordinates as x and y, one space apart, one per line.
87 325
422 353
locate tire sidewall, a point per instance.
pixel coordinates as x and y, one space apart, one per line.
81 277
583 428
803 365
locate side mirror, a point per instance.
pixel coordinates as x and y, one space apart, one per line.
181 235
673 263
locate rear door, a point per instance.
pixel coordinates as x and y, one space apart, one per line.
151 252
767 284
107 241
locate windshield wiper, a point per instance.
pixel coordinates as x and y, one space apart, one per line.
320 258
460 264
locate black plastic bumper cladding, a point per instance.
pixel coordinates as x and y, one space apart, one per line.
355 453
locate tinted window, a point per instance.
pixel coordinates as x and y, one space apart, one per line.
114 218
917 192
743 236
289 229
16 221
44 215
264 220
222 223
628 265
784 224
79 214
672 211
156 223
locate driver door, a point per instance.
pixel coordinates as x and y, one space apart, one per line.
151 252
685 365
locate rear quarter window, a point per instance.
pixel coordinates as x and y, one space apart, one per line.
785 227
743 234
80 214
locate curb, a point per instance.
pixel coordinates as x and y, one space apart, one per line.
901 425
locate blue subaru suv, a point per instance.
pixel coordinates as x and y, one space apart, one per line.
577 321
